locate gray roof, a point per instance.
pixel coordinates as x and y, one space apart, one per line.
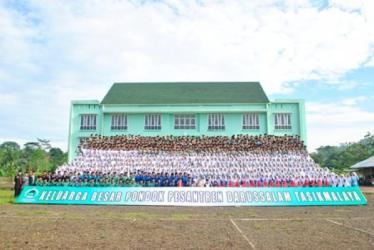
368 163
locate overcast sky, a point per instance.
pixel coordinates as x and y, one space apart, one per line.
54 51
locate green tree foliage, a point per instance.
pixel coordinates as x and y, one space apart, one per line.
340 158
38 156
39 161
57 157
10 145
44 144
9 160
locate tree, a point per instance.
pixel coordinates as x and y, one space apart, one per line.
39 161
29 148
368 141
44 144
10 145
57 157
9 158
2 170
340 158
32 145
38 156
9 161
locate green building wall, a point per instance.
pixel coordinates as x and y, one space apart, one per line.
233 119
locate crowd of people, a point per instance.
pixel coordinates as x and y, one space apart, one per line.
192 161
175 179
265 143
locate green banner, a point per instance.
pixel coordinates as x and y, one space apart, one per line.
193 196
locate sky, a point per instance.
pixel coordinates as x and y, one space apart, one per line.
52 52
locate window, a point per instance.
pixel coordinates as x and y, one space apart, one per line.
216 122
283 121
152 122
251 121
119 122
88 122
184 122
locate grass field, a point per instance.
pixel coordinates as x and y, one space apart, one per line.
6 196
5 182
136 227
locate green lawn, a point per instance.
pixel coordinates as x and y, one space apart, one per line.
6 196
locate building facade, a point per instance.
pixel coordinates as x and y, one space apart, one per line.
185 108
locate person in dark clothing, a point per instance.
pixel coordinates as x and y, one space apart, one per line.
18 182
32 178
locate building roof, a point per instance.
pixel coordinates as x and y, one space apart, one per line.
85 102
368 163
185 93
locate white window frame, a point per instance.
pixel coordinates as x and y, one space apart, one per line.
216 122
184 121
251 121
152 122
88 122
119 122
282 121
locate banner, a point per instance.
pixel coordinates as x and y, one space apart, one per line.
193 196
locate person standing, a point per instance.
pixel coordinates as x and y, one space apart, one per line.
18 182
32 178
354 179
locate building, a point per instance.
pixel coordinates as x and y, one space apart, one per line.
365 168
185 108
